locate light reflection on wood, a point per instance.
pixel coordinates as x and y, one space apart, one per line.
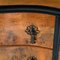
13 26
53 3
12 32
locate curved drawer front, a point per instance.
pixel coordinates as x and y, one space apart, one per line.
27 29
25 53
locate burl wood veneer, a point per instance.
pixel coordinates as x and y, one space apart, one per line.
15 43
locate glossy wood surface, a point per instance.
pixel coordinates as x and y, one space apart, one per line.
10 24
53 3
13 26
15 42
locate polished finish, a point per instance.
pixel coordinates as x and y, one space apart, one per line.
52 3
13 26
15 42
13 35
30 8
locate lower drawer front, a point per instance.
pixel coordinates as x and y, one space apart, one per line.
25 53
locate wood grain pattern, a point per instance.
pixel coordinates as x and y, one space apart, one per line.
13 26
23 53
53 3
10 32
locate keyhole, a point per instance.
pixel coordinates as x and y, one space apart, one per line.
32 30
32 58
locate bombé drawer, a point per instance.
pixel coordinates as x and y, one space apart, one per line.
27 29
25 53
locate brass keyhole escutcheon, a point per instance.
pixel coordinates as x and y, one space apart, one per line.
32 30
32 58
